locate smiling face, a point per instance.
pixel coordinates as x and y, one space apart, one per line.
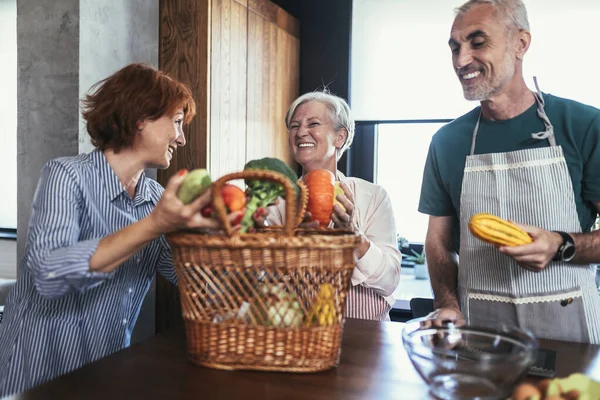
484 52
313 138
159 139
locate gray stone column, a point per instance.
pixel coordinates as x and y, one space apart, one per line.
48 91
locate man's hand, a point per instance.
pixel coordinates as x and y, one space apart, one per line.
446 314
537 255
442 316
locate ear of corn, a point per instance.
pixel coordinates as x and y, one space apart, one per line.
497 231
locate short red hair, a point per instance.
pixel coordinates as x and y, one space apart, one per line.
133 94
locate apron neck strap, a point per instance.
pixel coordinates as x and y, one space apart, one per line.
548 133
474 136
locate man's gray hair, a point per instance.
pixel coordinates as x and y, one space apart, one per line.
339 113
513 10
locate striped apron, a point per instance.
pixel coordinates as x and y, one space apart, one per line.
364 303
533 187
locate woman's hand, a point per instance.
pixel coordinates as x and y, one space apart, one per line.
308 222
342 217
170 214
261 215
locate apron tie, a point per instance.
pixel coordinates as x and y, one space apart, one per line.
548 133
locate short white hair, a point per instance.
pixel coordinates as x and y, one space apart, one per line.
513 10
339 113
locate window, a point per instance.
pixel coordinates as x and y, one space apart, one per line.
8 114
401 153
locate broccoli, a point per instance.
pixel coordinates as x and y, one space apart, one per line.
264 193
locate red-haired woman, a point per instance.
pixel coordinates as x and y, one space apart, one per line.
95 236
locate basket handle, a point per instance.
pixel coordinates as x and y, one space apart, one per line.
302 202
256 174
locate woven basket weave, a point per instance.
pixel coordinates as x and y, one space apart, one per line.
223 278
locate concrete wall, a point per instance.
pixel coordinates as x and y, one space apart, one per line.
65 46
8 259
8 112
48 91
8 132
114 33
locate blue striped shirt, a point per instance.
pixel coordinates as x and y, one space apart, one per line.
60 315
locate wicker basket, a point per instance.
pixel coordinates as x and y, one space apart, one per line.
227 283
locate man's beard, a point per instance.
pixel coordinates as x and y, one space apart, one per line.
486 90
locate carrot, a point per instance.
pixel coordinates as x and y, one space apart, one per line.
320 184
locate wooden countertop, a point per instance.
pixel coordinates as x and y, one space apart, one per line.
373 365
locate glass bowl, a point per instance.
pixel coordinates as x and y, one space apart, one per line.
466 362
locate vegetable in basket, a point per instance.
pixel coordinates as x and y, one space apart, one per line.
262 193
194 184
277 307
322 312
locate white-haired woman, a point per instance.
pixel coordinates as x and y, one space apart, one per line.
320 128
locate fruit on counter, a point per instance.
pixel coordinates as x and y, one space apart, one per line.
194 184
573 387
234 199
322 312
321 187
278 307
338 190
497 231
526 391
262 193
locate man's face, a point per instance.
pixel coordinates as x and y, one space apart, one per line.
482 55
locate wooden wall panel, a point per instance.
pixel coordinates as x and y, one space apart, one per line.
254 78
184 54
228 87
273 78
288 79
270 89
255 86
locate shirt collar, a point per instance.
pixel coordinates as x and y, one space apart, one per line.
113 186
